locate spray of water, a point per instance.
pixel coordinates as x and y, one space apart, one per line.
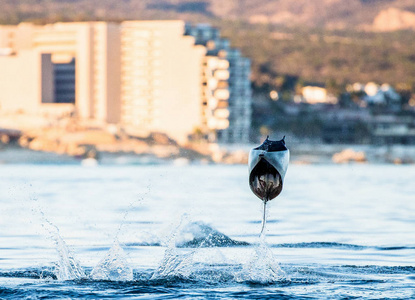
202 263
114 266
67 267
175 263
263 266
128 210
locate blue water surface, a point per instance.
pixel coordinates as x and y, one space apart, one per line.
335 232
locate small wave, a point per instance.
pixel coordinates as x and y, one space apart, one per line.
143 244
364 281
10 292
336 245
197 276
320 245
30 273
192 235
260 221
369 269
392 248
199 235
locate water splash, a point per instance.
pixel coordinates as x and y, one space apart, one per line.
211 256
114 266
67 267
263 266
201 264
175 264
130 207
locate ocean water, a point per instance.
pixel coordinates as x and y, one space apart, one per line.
335 232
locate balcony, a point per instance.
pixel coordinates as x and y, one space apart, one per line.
213 103
217 124
221 113
223 64
212 83
221 74
222 124
221 94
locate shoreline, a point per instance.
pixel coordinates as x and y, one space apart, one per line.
70 141
221 154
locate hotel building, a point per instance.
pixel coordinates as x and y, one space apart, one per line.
145 76
238 83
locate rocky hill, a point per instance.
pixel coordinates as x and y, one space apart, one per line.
320 41
330 14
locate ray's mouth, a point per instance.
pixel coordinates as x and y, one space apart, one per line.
265 181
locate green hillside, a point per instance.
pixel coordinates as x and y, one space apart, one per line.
323 56
313 40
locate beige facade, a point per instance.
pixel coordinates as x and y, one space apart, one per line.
18 37
26 81
161 78
107 72
146 76
95 47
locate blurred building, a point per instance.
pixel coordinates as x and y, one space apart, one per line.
383 95
146 76
317 94
25 80
389 129
238 84
161 79
86 66
215 96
